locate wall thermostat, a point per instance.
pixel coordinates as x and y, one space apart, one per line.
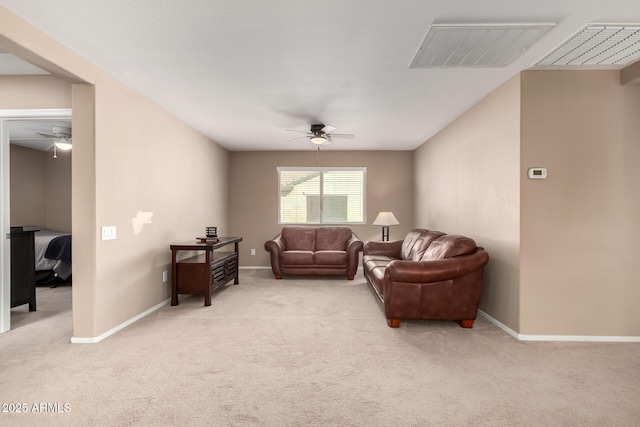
537 173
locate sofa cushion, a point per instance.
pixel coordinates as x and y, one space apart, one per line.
299 238
297 258
449 246
376 259
330 258
407 244
332 238
423 244
417 242
374 266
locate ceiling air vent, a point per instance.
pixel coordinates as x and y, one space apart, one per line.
476 46
597 46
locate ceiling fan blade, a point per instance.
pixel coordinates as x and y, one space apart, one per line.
47 135
296 130
343 135
295 139
327 129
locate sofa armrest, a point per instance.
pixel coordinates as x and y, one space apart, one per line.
354 247
354 244
275 247
435 270
388 249
275 244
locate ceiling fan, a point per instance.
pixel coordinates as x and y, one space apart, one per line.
320 134
61 137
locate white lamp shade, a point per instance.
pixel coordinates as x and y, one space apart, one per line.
386 218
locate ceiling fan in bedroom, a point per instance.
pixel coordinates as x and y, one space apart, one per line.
61 138
320 134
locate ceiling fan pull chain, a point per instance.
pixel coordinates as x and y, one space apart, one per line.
55 152
318 156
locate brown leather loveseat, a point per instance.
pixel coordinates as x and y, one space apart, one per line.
428 275
315 251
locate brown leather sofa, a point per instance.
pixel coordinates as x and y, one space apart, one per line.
429 275
315 251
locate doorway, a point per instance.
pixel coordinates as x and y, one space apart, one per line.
6 118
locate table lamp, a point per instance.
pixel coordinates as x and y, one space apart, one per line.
385 219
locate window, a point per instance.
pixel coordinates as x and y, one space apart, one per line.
321 195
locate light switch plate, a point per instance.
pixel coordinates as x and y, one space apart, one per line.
109 232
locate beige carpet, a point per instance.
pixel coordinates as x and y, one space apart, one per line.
309 352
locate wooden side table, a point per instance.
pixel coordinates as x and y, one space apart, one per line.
205 272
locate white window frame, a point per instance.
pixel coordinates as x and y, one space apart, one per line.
322 170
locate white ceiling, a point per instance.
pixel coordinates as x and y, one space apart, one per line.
10 64
241 72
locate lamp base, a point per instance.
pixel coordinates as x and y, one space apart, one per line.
385 233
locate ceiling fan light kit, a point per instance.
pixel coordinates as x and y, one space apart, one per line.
61 138
63 145
320 134
318 140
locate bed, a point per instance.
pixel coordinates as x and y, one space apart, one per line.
53 256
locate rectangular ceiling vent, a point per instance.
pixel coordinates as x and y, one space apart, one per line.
476 46
597 46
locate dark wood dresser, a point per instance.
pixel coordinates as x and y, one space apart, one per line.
23 268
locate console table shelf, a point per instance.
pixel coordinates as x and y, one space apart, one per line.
203 273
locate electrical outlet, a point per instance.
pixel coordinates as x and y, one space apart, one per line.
253 251
165 276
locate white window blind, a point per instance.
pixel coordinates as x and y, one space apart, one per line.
321 195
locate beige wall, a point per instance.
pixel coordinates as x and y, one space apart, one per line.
253 193
34 92
130 158
28 190
467 182
58 190
562 249
83 211
630 75
40 188
580 227
148 162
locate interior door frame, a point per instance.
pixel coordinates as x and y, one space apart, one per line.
7 116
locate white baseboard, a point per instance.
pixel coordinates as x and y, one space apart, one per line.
75 340
583 338
499 324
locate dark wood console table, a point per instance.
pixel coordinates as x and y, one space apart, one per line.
203 273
